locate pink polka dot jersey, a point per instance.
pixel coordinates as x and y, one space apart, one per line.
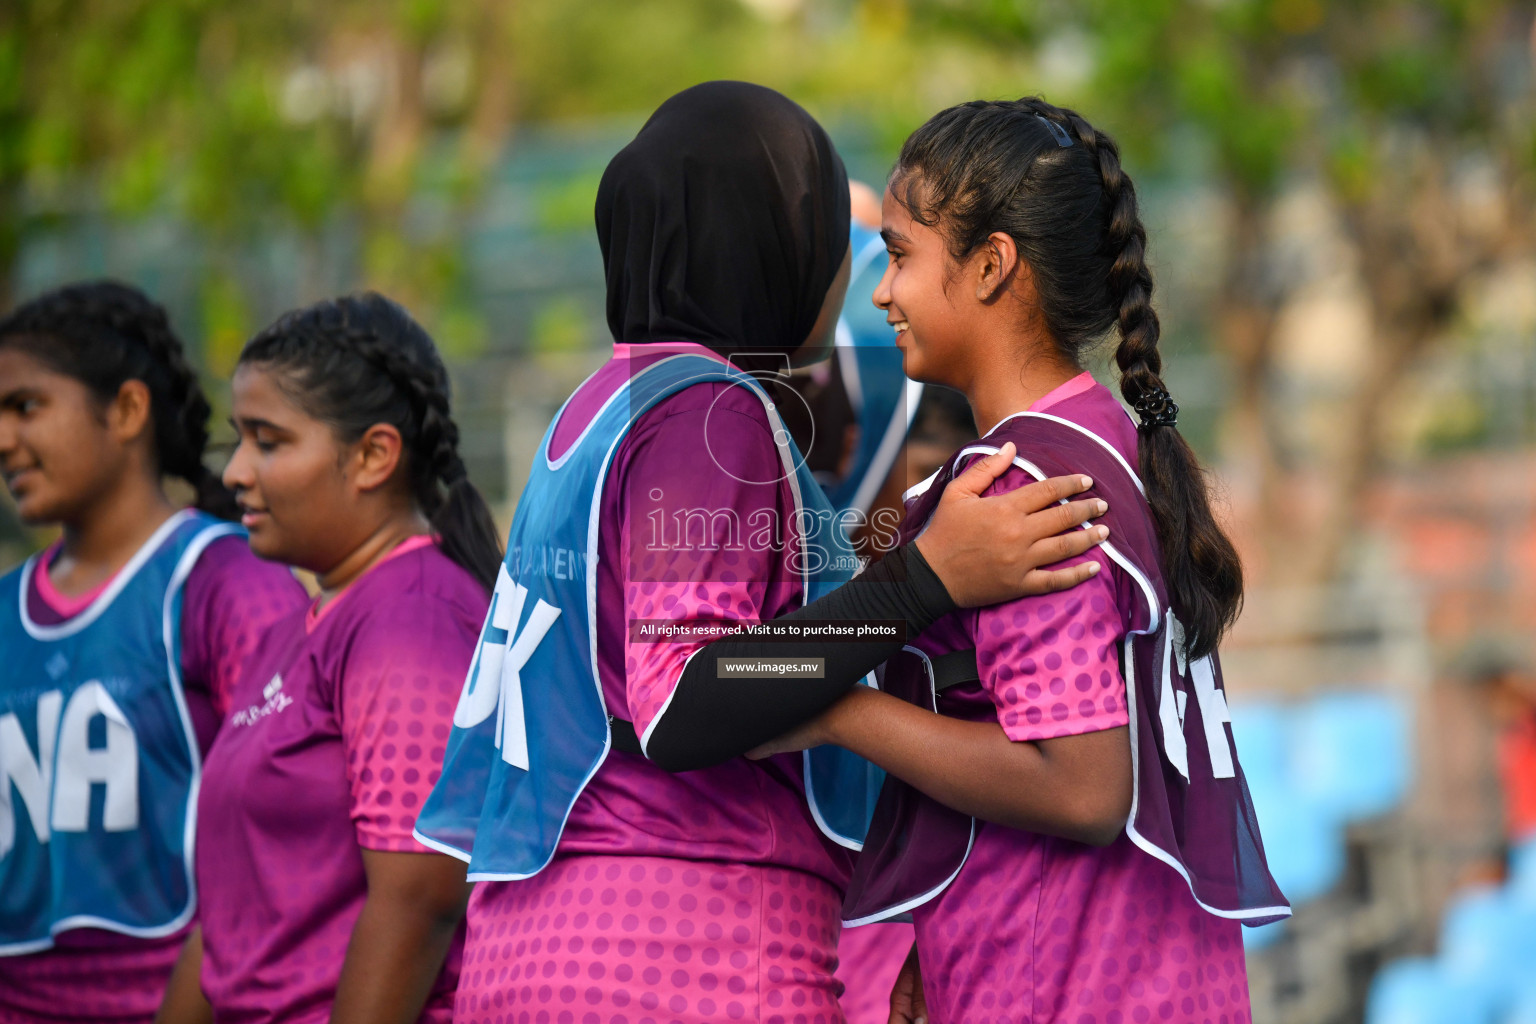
336 737
99 976
743 821
1044 930
868 961
618 939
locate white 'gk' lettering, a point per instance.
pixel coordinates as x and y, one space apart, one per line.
495 682
61 801
1214 714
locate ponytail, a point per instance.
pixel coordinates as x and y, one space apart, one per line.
1043 174
104 334
1200 566
361 360
460 518
468 532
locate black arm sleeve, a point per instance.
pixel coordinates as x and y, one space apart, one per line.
712 718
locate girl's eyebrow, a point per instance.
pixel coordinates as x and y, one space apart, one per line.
891 237
17 394
255 424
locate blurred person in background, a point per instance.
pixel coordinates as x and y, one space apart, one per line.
318 905
1509 689
123 642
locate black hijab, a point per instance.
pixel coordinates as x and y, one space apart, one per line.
724 222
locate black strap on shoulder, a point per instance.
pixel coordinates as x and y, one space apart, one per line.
954 669
624 736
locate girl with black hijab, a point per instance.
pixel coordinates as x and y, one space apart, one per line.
668 509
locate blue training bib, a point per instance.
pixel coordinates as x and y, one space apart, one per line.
99 764
532 727
883 398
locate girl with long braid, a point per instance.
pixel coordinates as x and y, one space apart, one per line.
317 903
1071 832
122 642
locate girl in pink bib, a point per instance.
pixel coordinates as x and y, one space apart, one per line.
1070 832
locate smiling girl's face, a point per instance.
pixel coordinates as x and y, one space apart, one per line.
58 449
928 298
289 475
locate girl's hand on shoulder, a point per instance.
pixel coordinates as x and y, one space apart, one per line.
987 550
907 1003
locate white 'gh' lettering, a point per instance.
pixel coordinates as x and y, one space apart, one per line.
1214 714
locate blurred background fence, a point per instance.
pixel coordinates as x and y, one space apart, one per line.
1341 199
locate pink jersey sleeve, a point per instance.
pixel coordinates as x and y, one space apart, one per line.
231 598
396 701
1051 663
702 541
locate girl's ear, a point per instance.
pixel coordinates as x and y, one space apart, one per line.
130 414
375 456
997 260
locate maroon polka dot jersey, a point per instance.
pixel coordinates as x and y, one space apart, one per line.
1043 930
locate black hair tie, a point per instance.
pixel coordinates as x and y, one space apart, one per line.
454 472
1157 408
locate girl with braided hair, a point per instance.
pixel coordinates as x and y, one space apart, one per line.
317 903
122 641
1071 833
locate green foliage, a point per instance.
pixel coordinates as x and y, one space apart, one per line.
561 325
264 115
1457 423
261 114
460 332
1351 164
227 321
1270 83
567 205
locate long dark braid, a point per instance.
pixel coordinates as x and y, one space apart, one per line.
105 333
1071 209
361 360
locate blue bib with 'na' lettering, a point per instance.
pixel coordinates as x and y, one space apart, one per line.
99 763
532 727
